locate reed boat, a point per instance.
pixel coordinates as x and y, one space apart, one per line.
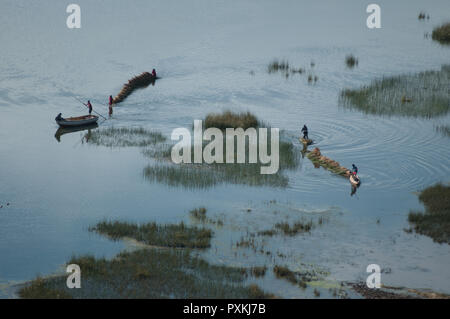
76 121
306 141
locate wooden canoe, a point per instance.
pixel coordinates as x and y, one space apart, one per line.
77 121
354 180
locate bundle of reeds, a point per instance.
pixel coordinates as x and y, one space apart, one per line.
139 81
317 158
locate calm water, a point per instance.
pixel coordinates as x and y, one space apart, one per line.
205 51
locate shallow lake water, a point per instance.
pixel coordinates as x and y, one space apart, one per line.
213 56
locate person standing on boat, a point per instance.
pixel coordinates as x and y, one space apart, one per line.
89 105
154 73
305 132
354 169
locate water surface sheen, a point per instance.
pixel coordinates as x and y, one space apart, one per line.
205 52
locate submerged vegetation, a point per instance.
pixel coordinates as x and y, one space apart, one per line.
442 33
207 175
424 94
125 137
178 235
444 129
435 221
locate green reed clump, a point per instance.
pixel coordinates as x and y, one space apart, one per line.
258 271
442 33
285 273
300 277
173 235
422 16
423 94
125 137
351 61
435 221
198 213
276 66
151 273
296 228
230 119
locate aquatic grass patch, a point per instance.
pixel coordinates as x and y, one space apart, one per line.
125 137
442 34
152 273
228 119
277 65
423 94
434 222
258 271
351 61
284 67
160 152
197 176
285 273
299 227
172 235
444 129
294 229
199 215
39 289
204 175
302 277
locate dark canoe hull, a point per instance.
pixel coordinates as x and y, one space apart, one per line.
78 121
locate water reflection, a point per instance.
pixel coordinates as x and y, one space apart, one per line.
354 189
65 130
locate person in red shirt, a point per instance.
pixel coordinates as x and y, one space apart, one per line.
111 101
89 105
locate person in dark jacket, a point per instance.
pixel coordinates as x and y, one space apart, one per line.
354 169
111 101
305 132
